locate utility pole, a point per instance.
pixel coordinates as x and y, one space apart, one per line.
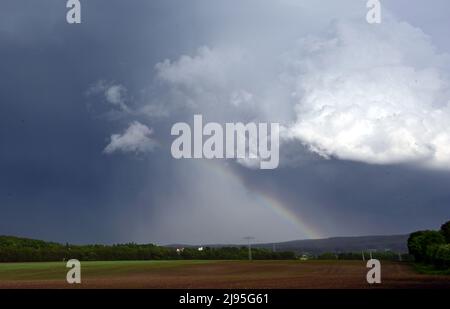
248 238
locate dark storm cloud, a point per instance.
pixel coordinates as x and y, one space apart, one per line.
350 198
56 183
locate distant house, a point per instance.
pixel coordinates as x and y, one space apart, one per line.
179 250
200 249
304 257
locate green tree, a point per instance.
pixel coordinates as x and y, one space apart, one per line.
445 230
442 256
418 243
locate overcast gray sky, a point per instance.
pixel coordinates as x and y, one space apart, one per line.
86 112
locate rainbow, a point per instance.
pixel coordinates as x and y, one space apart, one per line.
283 211
268 201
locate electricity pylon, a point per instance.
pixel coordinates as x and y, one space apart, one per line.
248 238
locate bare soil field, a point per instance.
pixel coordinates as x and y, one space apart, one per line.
218 274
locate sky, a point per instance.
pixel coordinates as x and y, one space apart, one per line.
86 112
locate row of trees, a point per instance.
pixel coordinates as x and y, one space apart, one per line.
13 249
431 247
235 253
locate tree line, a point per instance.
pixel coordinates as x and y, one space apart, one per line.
431 247
15 249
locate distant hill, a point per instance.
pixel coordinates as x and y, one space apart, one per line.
395 243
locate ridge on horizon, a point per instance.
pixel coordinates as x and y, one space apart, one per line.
285 241
396 243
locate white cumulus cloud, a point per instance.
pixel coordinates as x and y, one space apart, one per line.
213 81
378 94
373 94
137 138
113 93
